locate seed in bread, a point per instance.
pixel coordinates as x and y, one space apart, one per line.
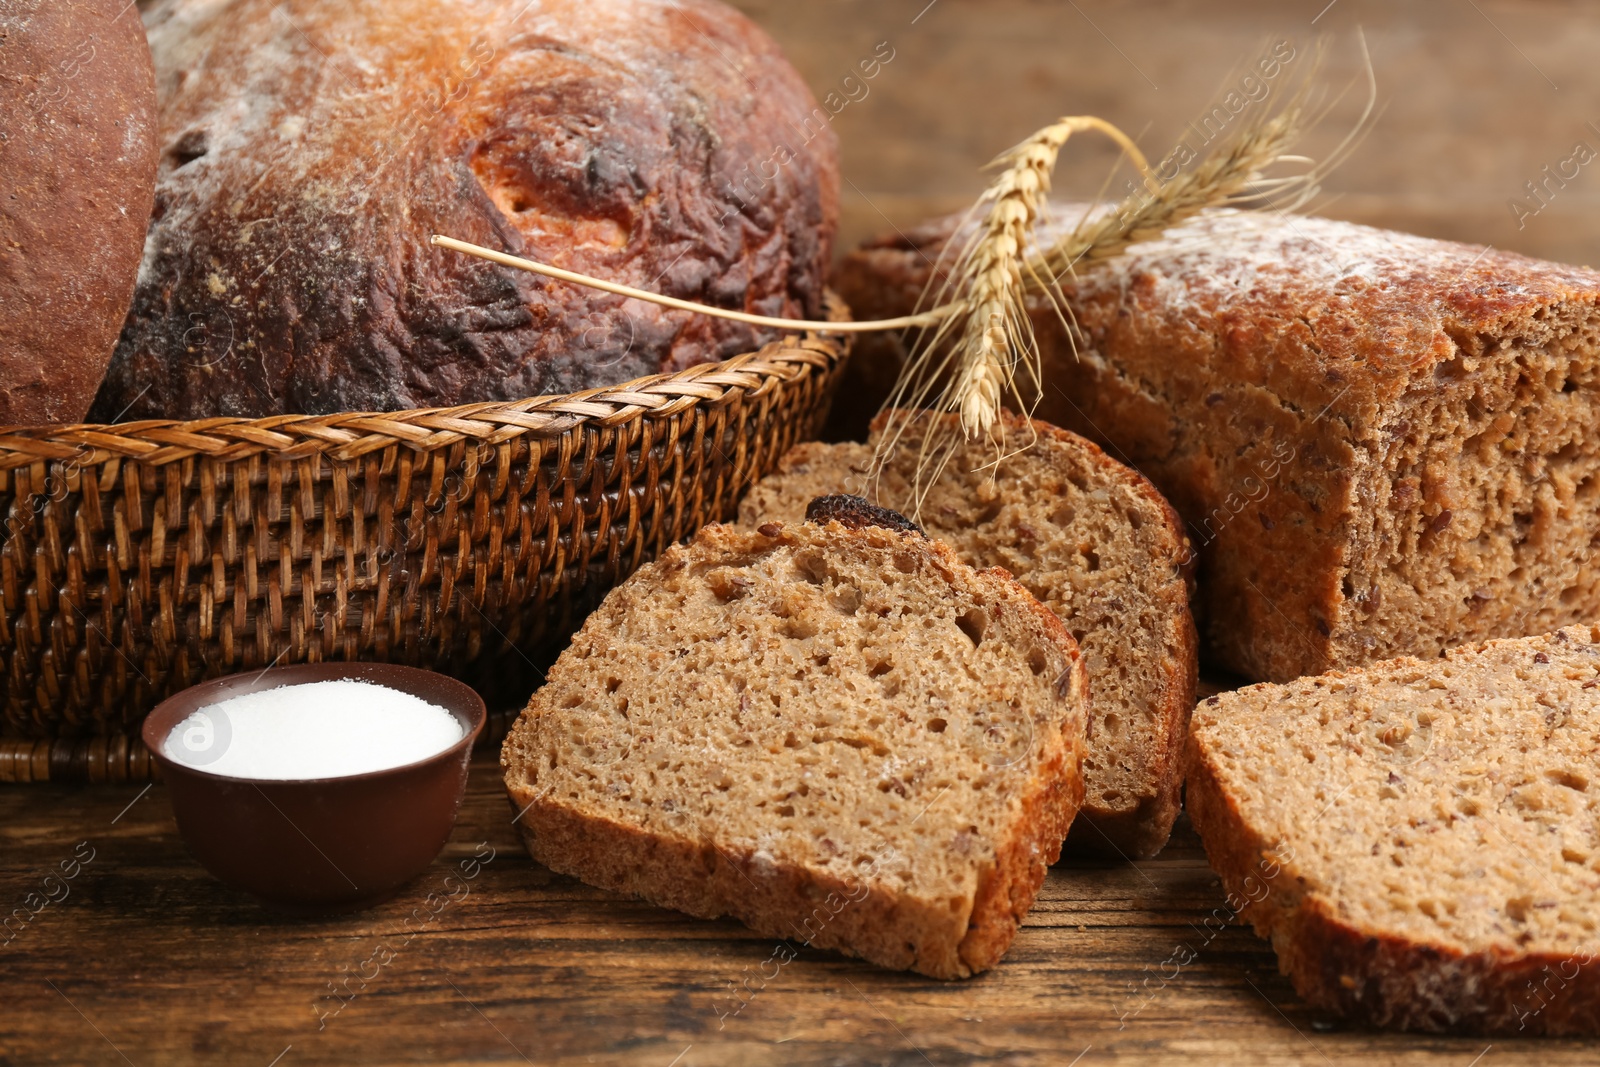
842 737
856 511
1094 542
1420 840
1382 444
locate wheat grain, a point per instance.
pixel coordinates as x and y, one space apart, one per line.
996 337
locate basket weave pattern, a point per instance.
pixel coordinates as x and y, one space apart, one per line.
140 558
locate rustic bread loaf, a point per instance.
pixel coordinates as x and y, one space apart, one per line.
312 146
1420 840
1095 543
77 176
1382 444
842 737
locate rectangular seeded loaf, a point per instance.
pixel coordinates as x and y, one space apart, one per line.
1420 840
845 738
1095 543
1381 444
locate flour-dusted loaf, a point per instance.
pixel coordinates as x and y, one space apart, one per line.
1420 840
77 177
845 738
1381 444
311 147
1095 543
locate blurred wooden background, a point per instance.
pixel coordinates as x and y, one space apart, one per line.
1479 95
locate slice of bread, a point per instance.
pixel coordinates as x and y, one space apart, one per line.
1095 542
1420 840
842 737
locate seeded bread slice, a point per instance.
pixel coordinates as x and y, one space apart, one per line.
1093 541
844 737
1420 840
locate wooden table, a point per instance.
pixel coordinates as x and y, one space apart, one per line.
147 960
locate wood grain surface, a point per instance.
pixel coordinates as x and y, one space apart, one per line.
147 960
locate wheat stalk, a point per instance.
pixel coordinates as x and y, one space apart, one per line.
505 259
994 342
987 306
977 348
982 350
1229 177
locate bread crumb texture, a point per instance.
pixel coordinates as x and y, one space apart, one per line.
1094 542
844 738
1419 839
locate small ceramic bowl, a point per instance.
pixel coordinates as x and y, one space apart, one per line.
319 845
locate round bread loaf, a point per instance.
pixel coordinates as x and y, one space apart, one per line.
311 148
77 174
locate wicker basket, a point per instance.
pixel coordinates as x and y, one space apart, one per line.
141 558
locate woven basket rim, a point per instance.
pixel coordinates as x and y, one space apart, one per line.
348 434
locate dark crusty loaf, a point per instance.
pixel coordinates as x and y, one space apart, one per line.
1381 444
844 738
312 146
1095 543
77 176
1420 840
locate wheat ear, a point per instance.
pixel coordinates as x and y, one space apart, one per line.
996 328
994 342
982 306
988 281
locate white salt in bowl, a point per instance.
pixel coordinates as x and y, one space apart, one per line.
311 806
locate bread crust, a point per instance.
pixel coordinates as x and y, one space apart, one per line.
1315 416
1142 831
1370 976
1049 807
1005 897
1376 980
78 167
311 149
711 879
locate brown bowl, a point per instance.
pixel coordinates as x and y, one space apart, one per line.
319 845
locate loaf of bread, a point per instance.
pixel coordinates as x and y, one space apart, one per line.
77 176
311 147
843 737
1381 444
1420 840
1095 543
